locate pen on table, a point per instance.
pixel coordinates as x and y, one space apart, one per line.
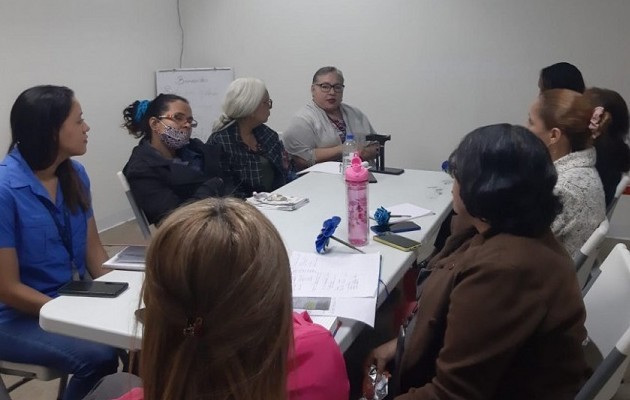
396 216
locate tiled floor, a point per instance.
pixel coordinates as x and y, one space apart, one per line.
128 233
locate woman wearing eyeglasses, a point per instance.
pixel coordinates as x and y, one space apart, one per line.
316 133
253 153
168 167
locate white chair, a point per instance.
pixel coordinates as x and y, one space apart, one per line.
621 186
585 258
617 357
607 322
29 372
141 219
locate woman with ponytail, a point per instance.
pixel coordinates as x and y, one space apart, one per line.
252 152
169 168
609 126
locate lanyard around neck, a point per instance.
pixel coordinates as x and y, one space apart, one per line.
65 231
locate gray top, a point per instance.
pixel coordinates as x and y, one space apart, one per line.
582 195
310 129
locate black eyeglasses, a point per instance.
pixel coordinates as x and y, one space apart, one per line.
180 119
325 87
268 102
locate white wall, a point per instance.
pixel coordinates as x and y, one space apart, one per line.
426 72
107 52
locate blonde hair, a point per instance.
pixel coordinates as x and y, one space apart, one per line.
242 98
222 261
570 112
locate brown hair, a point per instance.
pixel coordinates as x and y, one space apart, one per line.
223 262
570 112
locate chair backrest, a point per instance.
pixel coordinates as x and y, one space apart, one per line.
29 372
607 310
141 219
621 187
381 139
585 258
604 382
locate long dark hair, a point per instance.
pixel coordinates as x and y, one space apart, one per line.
613 153
36 119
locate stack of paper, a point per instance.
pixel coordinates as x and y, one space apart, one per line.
276 201
343 285
129 258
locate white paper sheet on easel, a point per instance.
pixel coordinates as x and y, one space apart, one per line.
409 209
335 275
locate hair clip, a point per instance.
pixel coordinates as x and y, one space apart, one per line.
596 118
141 109
194 327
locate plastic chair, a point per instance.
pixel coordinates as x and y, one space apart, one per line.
585 258
141 219
607 322
29 372
380 160
621 187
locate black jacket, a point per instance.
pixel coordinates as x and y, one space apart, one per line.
160 185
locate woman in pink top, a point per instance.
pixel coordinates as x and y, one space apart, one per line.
218 315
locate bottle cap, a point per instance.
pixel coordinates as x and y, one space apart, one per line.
356 172
349 135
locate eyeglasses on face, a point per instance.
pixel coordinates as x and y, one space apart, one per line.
180 119
268 102
325 87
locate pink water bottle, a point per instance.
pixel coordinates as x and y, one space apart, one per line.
357 200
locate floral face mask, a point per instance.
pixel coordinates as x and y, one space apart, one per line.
173 138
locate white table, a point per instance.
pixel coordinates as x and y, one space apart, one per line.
327 197
108 321
111 321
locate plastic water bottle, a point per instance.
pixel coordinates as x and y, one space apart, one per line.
357 202
349 148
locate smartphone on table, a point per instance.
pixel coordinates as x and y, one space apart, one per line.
93 288
397 241
397 227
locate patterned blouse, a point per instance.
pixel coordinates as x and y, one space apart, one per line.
582 195
263 170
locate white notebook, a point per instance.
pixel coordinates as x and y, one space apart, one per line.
130 258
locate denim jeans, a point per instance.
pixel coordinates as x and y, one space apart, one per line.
23 341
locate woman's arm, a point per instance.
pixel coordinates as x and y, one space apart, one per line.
96 254
12 291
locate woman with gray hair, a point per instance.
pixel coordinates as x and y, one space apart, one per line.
253 153
317 132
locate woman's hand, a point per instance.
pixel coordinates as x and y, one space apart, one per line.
370 151
381 355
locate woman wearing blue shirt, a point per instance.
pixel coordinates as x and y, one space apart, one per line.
48 236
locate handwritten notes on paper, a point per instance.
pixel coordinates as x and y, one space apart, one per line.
343 275
347 282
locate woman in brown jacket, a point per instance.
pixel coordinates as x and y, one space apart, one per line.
499 313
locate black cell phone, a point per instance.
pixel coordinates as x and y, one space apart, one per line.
93 288
396 241
405 226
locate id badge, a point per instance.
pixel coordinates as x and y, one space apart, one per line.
75 272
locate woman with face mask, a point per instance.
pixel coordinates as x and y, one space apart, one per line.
168 167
